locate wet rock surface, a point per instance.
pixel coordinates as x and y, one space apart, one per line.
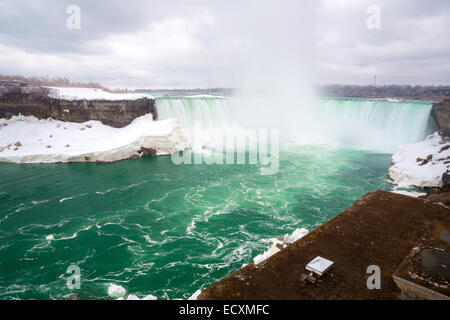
445 181
147 152
441 113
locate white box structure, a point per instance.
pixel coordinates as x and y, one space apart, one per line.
319 265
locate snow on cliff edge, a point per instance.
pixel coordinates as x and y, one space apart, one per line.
93 94
30 140
421 164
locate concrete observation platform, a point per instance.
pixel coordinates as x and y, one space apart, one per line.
407 238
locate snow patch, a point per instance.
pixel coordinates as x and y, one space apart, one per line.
277 243
195 295
50 141
421 164
409 193
296 235
135 297
93 94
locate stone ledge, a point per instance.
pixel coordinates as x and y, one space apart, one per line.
380 229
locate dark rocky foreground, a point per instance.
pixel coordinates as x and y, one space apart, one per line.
441 112
395 232
36 102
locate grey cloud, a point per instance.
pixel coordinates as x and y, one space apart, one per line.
412 38
143 43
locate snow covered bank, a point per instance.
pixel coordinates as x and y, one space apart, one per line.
195 295
421 164
30 140
93 94
277 244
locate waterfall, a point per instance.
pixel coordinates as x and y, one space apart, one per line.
375 125
211 112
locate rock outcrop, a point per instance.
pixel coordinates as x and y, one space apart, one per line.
147 152
446 181
37 103
439 197
441 113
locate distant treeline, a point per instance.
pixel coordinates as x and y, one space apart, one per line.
57 82
437 93
51 82
389 91
181 92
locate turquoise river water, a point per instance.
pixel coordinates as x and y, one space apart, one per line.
168 230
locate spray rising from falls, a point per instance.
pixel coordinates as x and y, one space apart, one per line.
366 124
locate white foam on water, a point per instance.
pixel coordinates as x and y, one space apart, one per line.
116 291
50 237
135 297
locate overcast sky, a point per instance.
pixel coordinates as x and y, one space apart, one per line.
143 44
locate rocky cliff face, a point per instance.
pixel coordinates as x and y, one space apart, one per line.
441 112
113 113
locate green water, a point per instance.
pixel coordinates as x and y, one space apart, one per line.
157 228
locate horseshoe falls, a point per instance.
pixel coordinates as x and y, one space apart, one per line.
212 113
154 227
374 125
